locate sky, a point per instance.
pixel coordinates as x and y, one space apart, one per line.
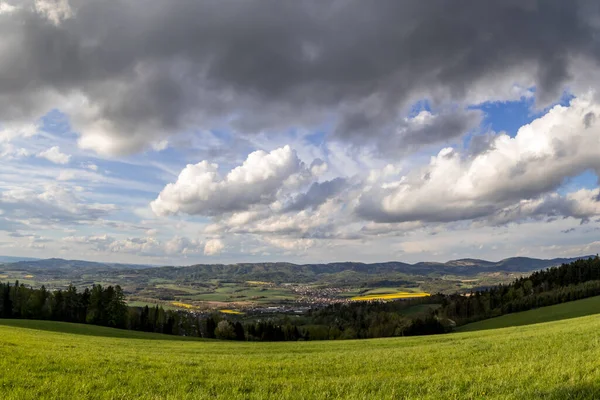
205 131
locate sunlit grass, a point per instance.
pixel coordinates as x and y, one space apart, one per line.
47 360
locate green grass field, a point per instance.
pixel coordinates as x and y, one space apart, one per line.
557 312
555 360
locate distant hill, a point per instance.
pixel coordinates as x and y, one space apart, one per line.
61 264
392 273
8 259
279 271
346 272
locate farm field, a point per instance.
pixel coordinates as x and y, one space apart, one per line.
555 360
389 296
572 309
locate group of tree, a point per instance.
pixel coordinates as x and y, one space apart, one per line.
98 305
361 320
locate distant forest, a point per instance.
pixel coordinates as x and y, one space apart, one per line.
573 281
436 314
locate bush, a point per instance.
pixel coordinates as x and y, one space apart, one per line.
225 330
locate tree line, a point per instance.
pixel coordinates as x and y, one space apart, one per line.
98 305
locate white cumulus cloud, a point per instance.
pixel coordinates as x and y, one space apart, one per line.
213 247
201 190
54 155
563 143
54 10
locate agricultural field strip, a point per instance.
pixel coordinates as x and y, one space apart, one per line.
390 296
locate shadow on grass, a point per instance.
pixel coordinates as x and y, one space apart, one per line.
89 330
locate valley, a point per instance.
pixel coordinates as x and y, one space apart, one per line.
272 286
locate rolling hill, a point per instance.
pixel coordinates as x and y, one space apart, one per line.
347 273
9 259
49 360
281 271
60 264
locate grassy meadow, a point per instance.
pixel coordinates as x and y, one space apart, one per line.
51 360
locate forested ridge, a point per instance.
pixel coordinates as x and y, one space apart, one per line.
106 306
573 281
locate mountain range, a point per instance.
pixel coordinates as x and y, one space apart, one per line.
281 271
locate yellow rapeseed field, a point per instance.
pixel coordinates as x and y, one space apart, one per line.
258 283
389 296
232 312
28 276
183 305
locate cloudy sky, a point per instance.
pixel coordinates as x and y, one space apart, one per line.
209 131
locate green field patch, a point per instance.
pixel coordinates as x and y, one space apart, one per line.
212 297
237 293
42 327
383 290
227 289
180 288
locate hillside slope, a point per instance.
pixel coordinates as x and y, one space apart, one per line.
572 309
554 360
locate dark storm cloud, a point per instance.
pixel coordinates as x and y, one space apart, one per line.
370 209
148 69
